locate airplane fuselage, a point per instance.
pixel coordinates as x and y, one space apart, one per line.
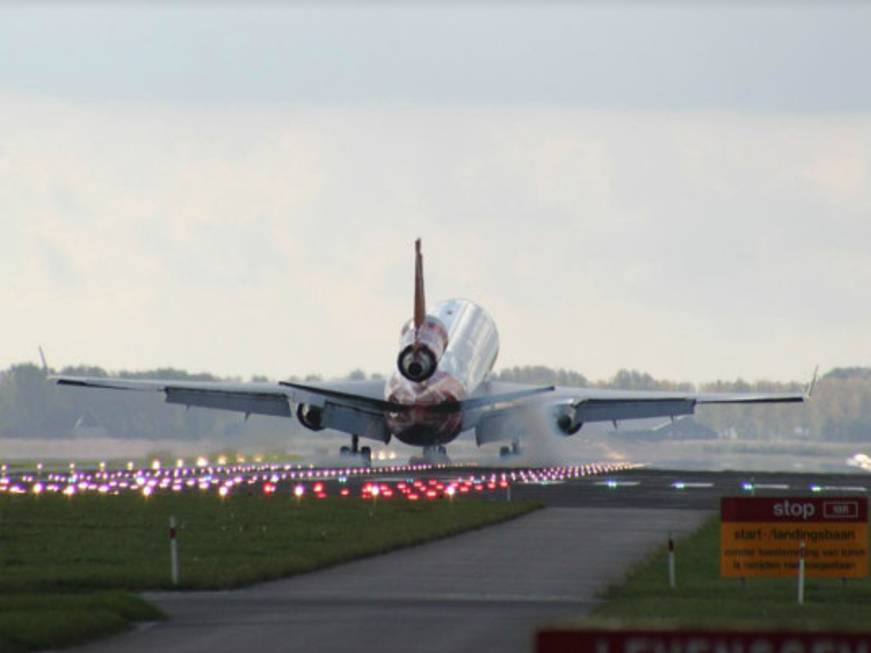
468 356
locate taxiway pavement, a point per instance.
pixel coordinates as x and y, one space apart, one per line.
485 590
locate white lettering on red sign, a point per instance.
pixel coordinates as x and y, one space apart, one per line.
841 509
795 509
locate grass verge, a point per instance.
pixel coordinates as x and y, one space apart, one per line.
703 599
48 621
67 565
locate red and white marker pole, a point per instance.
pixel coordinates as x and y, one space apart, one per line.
801 573
173 552
671 575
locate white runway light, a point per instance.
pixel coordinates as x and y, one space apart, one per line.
682 485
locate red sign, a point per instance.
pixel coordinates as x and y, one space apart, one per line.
655 641
794 509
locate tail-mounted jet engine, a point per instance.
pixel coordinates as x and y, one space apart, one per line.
311 417
424 338
421 349
566 421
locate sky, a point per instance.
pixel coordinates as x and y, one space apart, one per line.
683 189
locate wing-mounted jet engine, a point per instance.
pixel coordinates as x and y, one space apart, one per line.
567 423
311 417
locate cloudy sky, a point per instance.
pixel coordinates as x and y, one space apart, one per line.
680 188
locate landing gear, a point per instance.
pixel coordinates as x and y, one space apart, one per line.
510 452
356 452
433 455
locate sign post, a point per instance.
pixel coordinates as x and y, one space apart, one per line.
173 552
794 536
801 573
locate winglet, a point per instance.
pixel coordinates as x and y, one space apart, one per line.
419 300
42 358
810 389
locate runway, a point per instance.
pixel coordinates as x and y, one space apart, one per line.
486 590
653 488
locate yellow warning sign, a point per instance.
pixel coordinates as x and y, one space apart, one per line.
761 536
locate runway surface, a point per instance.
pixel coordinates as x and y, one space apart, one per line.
652 488
485 590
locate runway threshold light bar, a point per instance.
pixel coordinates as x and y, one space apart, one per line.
410 482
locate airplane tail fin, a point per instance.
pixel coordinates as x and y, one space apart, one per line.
424 339
419 299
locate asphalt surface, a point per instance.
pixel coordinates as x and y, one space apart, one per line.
486 590
651 488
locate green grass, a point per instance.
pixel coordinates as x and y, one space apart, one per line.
40 621
705 600
67 565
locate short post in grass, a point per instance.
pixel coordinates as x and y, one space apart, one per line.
801 573
173 552
671 572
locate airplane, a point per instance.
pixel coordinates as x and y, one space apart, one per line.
441 386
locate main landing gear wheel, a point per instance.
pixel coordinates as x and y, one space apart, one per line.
510 452
361 455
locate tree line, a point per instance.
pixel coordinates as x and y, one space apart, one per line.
31 406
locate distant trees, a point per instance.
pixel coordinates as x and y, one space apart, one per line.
31 406
541 375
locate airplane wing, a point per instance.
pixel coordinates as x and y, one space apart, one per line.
352 406
358 407
570 408
249 398
594 405
355 407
